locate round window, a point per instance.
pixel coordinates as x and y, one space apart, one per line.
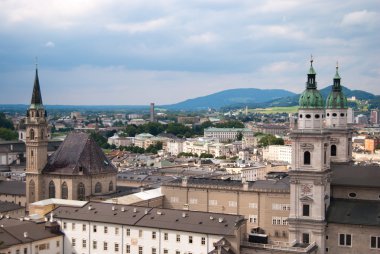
334 114
352 194
308 116
317 116
300 115
328 114
342 114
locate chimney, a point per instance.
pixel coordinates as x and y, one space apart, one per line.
245 183
184 182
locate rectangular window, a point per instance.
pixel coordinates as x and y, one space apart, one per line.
105 246
193 201
154 235
203 240
94 245
57 243
166 251
83 227
116 231
128 232
174 199
190 239
305 210
94 229
284 221
105 230
140 250
375 242
305 238
128 248
232 203
213 202
73 242
178 238
252 205
252 218
72 226
116 247
25 251
140 233
345 239
84 243
64 225
154 251
177 252
166 237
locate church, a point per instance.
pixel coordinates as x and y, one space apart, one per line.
78 170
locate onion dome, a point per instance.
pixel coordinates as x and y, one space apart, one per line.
336 98
311 97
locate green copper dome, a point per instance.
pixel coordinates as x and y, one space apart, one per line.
336 98
311 97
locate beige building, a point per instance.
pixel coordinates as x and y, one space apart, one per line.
265 204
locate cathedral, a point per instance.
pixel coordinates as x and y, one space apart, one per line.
78 170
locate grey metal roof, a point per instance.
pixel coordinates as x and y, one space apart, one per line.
355 175
79 152
36 96
9 206
354 212
13 188
12 232
187 221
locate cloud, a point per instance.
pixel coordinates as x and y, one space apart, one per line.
285 31
147 26
359 18
203 38
49 44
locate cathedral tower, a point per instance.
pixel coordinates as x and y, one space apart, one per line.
36 144
310 170
336 121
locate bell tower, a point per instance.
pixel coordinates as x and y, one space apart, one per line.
36 143
310 170
336 122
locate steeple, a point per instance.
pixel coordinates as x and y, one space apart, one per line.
311 97
311 84
36 96
337 87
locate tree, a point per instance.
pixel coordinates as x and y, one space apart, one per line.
5 123
230 124
7 134
239 136
206 155
269 139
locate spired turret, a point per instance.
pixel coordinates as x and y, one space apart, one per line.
311 111
336 105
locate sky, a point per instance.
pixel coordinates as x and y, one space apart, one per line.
133 52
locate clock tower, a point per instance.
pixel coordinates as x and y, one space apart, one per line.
310 170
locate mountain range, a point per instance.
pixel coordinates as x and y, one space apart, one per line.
256 98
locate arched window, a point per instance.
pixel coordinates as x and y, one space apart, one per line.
81 192
98 187
51 189
306 158
64 191
31 153
31 134
110 187
32 187
42 134
333 150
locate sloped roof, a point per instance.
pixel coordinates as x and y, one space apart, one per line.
13 188
79 153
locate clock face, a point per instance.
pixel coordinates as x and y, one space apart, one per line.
306 189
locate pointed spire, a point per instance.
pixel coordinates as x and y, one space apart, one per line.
36 96
337 87
311 83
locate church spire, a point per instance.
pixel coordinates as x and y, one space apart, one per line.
311 84
337 87
36 96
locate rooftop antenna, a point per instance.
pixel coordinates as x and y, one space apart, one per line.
311 59
36 62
